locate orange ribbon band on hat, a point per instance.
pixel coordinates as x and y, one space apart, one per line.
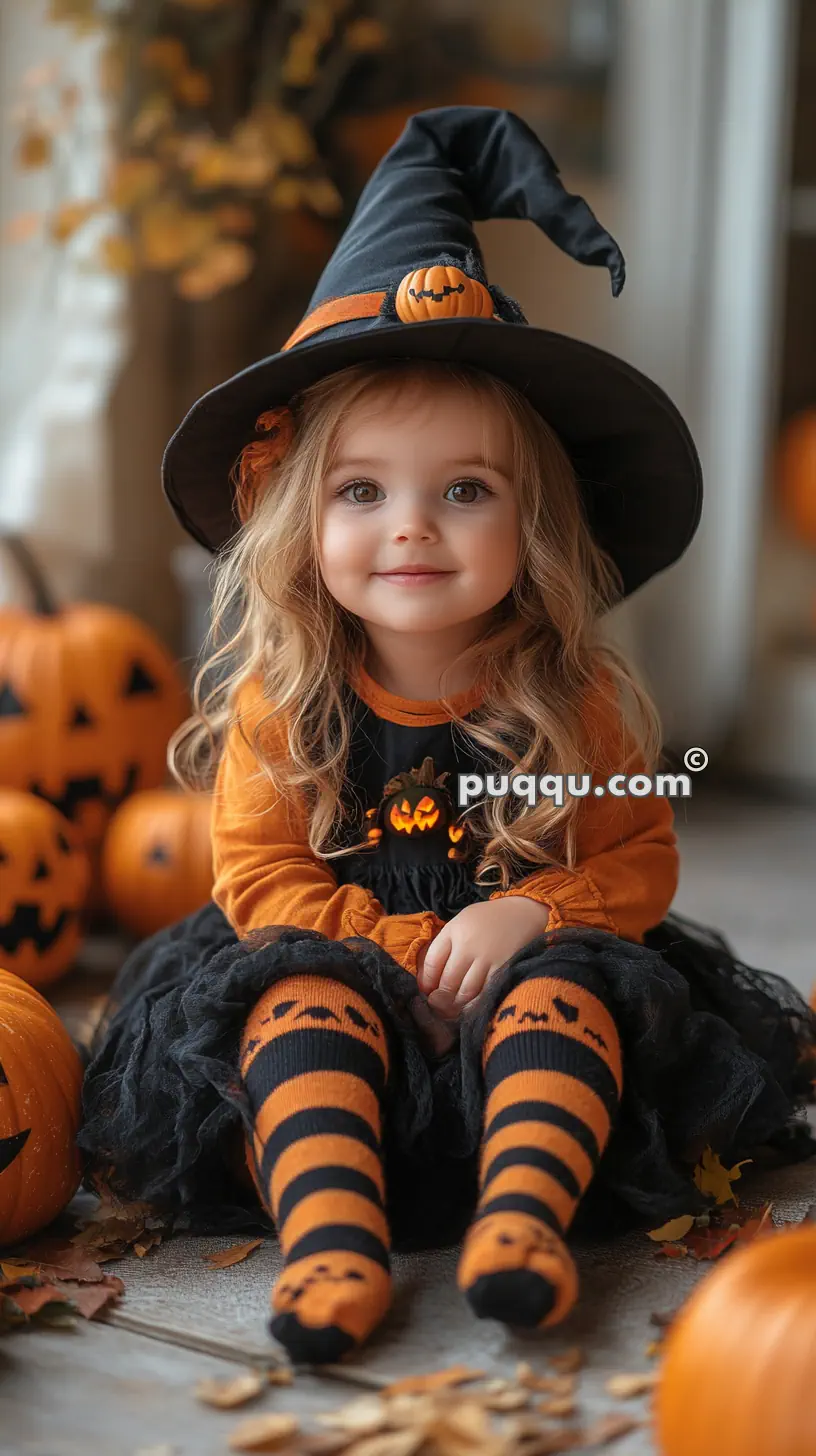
336 311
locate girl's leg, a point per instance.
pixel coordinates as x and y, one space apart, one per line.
314 1062
553 1079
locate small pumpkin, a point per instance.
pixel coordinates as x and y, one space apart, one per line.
738 1369
441 292
44 878
796 475
89 697
40 1081
414 805
157 859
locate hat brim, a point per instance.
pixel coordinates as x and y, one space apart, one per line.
632 451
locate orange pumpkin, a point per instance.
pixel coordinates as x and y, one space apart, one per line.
88 699
157 859
441 292
44 877
40 1080
738 1370
796 475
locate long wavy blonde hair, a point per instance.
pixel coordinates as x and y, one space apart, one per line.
541 655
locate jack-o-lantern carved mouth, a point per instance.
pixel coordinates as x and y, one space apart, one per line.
447 289
25 924
10 1147
81 791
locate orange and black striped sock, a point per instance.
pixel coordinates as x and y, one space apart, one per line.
553 1080
314 1061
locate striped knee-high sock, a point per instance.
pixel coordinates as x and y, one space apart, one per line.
314 1062
553 1080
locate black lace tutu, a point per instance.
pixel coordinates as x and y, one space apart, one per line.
714 1052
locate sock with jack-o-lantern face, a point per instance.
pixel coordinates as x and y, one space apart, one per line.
553 1079
314 1062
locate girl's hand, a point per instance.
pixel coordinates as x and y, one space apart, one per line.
457 963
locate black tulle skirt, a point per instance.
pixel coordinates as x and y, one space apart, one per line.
714 1053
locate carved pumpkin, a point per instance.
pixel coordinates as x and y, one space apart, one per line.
441 292
796 475
40 1080
88 699
157 859
414 805
738 1367
44 876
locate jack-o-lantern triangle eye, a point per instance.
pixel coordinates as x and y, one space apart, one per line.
10 705
140 681
157 855
3 1077
62 843
81 718
41 871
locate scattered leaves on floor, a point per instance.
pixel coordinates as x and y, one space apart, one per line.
279 1375
38 1297
712 1178
710 1234
227 1394
674 1229
625 1387
571 1361
225 1258
263 1433
436 1380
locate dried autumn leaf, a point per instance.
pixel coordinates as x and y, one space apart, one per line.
322 195
225 1258
221 266
286 193
143 1245
674 1229
60 1259
756 1225
118 254
90 1299
388 1443
13 1270
436 1380
286 135
132 181
560 1406
167 54
155 113
712 1178
22 228
226 1394
609 1428
263 1433
553 1384
366 1413
672 1251
624 1387
34 148
710 1243
192 88
366 35
69 218
171 235
280 1375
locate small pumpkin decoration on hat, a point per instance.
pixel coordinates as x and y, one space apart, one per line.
415 805
40 1081
157 859
44 878
738 1368
89 697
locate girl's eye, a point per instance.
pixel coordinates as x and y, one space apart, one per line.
473 484
357 485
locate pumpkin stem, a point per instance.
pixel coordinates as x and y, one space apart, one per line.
44 601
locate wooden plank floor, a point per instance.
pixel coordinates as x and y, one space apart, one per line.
102 1391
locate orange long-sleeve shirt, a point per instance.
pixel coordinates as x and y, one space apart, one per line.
265 874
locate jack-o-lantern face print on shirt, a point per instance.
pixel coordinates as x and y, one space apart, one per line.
88 700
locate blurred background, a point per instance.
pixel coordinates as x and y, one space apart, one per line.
175 173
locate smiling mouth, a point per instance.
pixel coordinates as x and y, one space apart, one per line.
25 924
412 576
10 1147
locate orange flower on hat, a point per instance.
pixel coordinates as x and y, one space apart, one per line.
259 457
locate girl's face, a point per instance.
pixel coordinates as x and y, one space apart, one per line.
409 487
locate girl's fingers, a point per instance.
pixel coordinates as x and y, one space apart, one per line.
436 959
474 982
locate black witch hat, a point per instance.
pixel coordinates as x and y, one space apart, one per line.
407 280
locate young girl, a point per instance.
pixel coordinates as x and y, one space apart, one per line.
433 1000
